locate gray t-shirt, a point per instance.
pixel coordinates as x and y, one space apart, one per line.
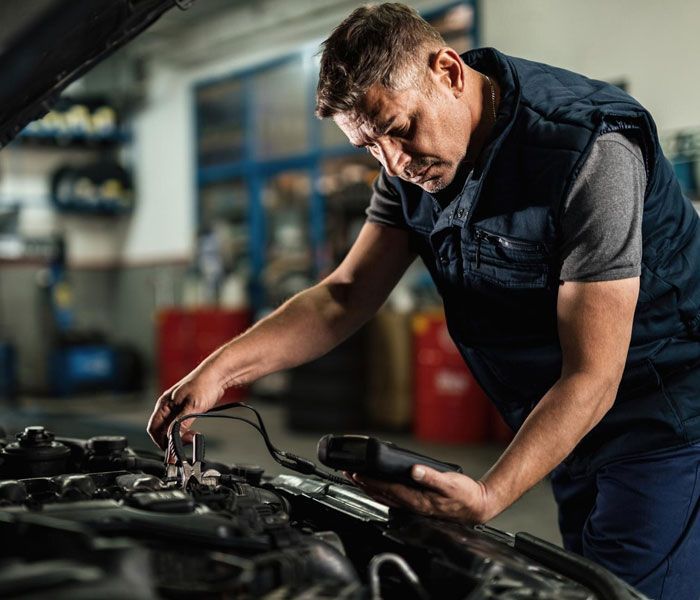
601 219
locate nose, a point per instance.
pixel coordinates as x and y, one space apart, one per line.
393 157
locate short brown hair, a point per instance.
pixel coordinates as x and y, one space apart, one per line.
382 44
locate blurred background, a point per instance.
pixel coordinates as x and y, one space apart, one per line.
183 189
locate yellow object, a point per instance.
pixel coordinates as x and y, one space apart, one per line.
421 321
63 295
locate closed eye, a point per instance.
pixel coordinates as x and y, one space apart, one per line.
402 133
367 147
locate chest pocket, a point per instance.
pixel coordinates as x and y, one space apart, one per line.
506 261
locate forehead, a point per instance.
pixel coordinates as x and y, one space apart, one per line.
377 109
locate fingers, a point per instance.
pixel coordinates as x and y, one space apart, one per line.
393 494
426 499
373 492
390 502
173 402
158 423
374 484
187 438
185 433
430 478
451 496
188 435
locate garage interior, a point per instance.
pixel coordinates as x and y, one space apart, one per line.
182 189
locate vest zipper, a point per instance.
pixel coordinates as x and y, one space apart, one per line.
479 236
524 246
499 240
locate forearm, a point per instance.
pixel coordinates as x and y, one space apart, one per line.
595 324
303 328
569 410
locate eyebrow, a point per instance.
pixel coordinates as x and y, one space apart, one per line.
379 128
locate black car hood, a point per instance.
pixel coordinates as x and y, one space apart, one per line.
47 44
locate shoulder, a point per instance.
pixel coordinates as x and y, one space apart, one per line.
617 143
385 203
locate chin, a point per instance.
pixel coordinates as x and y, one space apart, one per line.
439 183
434 185
444 177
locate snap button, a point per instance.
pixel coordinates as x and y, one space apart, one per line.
460 213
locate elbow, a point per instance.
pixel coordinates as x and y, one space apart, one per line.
609 384
348 302
596 392
612 380
338 307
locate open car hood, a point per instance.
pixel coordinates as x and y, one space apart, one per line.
47 44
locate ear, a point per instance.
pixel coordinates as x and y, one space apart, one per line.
448 70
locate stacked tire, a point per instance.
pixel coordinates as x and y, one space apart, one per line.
328 394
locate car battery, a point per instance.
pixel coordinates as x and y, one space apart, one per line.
449 406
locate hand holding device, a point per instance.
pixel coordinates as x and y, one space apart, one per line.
375 458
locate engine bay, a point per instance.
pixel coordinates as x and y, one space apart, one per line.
88 518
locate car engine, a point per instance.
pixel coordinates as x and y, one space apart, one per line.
93 518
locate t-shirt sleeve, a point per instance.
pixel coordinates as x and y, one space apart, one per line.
601 219
385 204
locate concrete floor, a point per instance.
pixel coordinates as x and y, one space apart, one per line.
230 442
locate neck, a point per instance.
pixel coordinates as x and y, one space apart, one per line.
482 106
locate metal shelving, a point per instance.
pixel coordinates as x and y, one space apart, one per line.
257 137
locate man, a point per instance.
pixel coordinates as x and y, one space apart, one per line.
569 266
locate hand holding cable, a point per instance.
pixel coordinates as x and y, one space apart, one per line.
290 461
198 392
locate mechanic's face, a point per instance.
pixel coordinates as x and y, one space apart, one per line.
419 135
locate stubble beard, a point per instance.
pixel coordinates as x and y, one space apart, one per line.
433 186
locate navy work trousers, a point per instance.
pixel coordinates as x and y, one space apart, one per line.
639 518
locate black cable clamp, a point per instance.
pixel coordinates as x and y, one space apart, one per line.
286 459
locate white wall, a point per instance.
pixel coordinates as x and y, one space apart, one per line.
652 44
162 226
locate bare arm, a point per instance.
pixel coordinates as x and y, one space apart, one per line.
595 325
303 328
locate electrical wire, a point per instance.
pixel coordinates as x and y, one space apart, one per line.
286 459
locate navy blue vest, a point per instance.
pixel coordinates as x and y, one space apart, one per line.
493 254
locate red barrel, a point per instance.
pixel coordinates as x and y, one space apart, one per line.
449 406
186 337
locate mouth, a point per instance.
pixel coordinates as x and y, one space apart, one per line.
421 177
